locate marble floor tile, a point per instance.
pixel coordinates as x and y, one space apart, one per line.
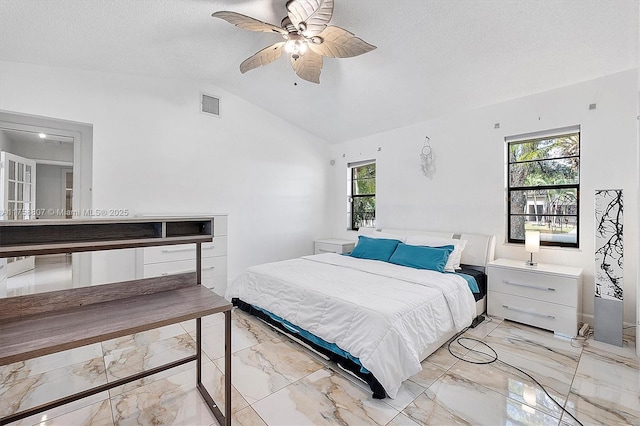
429 374
247 417
323 397
96 414
141 339
208 321
402 420
213 380
262 369
123 363
483 329
279 382
37 389
606 388
512 384
35 366
535 345
169 401
444 359
455 400
245 331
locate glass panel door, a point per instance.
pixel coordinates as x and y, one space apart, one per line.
18 190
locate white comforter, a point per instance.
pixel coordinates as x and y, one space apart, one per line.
381 313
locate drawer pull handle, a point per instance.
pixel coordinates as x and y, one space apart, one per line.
326 251
209 268
177 272
175 250
529 312
529 286
1 266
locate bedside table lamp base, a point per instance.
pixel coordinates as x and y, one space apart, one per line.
530 262
532 245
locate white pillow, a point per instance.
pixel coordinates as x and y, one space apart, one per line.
388 236
373 233
455 257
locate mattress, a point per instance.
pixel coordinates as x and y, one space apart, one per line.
380 313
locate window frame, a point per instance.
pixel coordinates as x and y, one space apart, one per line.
510 189
351 196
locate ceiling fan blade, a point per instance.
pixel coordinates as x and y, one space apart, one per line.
263 57
313 14
308 66
340 43
247 22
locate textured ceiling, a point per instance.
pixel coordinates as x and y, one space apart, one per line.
433 56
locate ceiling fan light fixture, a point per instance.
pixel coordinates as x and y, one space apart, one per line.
296 45
308 38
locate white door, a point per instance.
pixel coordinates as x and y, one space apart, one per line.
18 187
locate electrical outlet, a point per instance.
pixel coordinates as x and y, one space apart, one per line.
583 329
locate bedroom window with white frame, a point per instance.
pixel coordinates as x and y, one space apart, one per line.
543 189
361 191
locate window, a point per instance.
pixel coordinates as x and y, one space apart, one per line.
362 194
544 188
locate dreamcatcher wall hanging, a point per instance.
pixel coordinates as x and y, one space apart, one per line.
426 159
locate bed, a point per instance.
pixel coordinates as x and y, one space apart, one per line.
378 319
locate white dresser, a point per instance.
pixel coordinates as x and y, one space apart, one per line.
166 260
333 245
546 296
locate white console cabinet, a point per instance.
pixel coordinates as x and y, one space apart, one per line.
545 296
178 259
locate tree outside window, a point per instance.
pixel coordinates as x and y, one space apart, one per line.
544 189
362 195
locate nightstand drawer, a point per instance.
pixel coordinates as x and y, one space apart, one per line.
549 316
535 285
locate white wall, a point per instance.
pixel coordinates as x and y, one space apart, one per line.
43 151
49 190
467 192
5 143
154 152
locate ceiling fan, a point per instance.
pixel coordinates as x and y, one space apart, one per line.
308 38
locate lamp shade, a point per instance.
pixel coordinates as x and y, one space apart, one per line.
532 241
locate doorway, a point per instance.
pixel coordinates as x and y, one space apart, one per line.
61 172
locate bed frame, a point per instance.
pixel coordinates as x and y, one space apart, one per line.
479 250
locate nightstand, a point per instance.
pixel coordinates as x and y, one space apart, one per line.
545 296
333 245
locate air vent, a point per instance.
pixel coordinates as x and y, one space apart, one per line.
210 105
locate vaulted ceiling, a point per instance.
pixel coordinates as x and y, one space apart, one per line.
433 57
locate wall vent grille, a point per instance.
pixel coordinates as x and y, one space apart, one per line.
210 105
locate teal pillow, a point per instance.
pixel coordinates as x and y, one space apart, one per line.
422 257
374 248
